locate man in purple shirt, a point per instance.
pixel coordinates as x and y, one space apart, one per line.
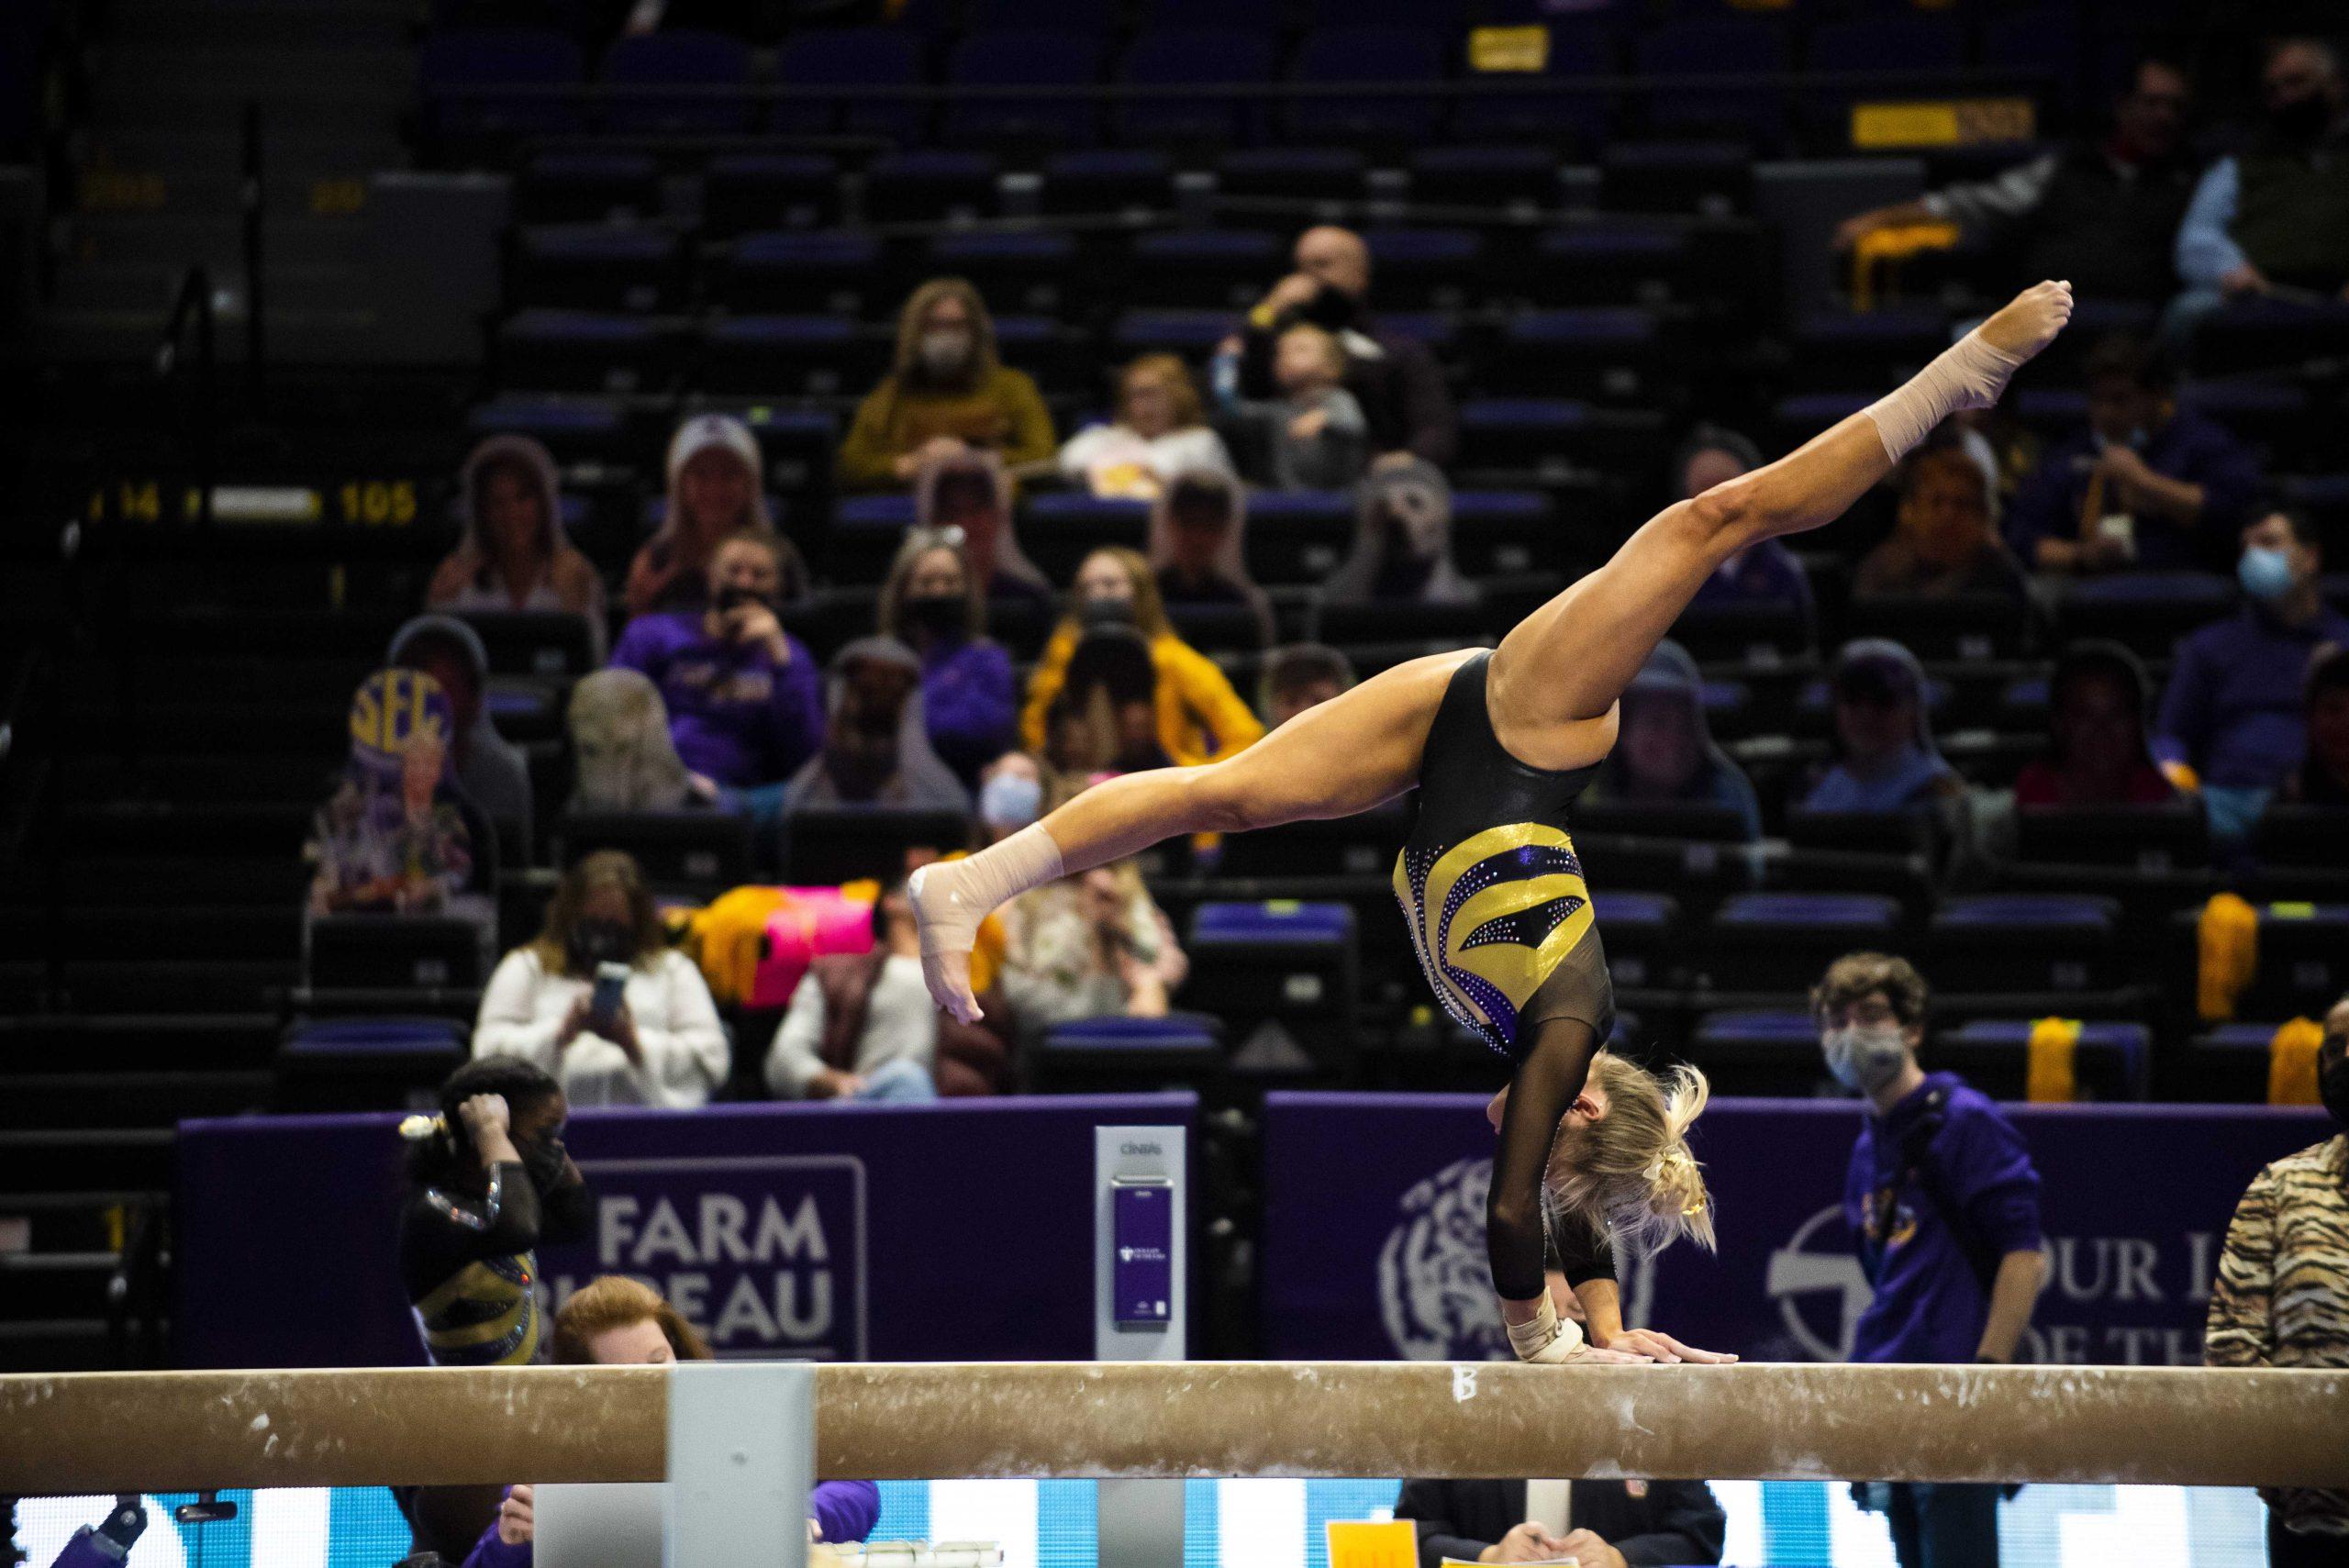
1944 1201
745 697
2233 711
2147 485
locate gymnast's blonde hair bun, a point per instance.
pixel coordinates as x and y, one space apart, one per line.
1630 1171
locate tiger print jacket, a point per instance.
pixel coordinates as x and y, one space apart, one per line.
2282 1297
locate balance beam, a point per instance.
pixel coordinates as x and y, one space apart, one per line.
96 1432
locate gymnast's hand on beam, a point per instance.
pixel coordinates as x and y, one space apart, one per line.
1654 1344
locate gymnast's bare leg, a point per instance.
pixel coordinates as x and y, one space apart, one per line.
1554 682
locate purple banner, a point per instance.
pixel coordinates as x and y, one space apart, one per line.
958 1231
1374 1237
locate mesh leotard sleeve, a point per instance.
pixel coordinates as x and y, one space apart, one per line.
1538 1098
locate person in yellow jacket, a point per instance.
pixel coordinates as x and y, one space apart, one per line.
1201 717
946 392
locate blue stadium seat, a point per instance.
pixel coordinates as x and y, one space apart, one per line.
2256 411
367 1063
1644 938
2036 49
1185 267
542 643
697 852
1284 977
453 70
1497 531
1760 1051
746 191
2110 1061
819 68
924 186
598 266
2254 334
2148 611
2303 960
1014 269
1418 266
392 951
570 427
1522 432
1179 1050
1385 55
592 184
1871 348
1316 172
1033 57
1580 49
1600 351
798 269
1495 174
823 846
1064 527
2229 1062
1247 15
2025 941
1900 42
1609 261
1297 536
1783 941
1682 175
585 351
2147 837
684 57
1678 53
2304 848
1190 333
1200 57
889 513
1107 179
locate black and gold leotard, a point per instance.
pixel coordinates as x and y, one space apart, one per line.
1493 892
470 1265
1491 887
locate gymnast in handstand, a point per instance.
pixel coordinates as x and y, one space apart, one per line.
1499 744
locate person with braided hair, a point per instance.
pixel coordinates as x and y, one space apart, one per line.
1498 745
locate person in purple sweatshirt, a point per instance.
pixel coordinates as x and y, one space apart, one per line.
745 697
1943 1200
616 1321
932 603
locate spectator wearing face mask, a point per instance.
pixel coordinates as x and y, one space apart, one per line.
1402 550
1886 761
2104 214
513 554
876 742
1764 573
2146 485
2097 753
622 757
1945 538
2233 715
398 835
615 1322
744 698
716 491
932 603
2274 219
1160 432
661 1044
1312 436
969 493
946 394
2282 1294
1199 718
1397 382
1011 795
489 769
1944 1201
1299 676
2323 777
861 1027
1199 532
1664 754
1087 946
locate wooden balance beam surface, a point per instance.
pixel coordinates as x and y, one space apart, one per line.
96 1432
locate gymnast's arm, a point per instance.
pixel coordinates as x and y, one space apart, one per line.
1540 1093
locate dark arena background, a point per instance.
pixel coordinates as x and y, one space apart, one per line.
525 520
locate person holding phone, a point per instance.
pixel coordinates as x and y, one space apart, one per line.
602 1002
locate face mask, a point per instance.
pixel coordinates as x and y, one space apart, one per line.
2266 573
2333 1088
1866 1059
727 599
1106 612
1330 310
545 1160
1011 800
945 354
601 942
2303 120
938 615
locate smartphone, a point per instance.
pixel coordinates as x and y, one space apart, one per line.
604 1002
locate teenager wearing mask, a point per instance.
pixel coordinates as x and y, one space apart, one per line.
744 696
2282 1296
1160 432
488 1182
946 392
661 1044
1944 1201
513 554
616 1321
1011 795
2231 717
2097 753
1199 718
717 490
932 603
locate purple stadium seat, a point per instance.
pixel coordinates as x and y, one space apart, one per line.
1193 56
1579 49
1678 51
828 66
1025 58
1366 54
686 58
453 65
